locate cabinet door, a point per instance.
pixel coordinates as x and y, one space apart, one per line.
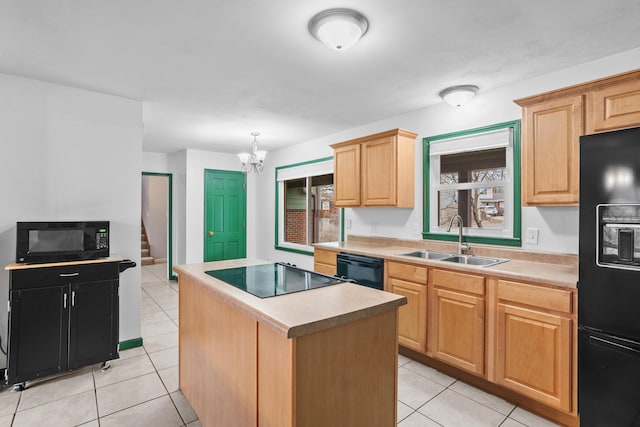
550 152
37 332
456 333
379 172
93 326
347 175
533 354
614 107
412 322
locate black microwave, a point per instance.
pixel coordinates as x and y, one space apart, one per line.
40 242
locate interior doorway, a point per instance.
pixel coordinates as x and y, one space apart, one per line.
156 221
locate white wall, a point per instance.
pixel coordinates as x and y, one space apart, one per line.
558 225
188 168
70 154
197 162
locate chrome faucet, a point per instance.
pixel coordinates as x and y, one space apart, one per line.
461 247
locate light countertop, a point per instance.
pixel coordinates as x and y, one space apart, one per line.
299 313
22 266
545 269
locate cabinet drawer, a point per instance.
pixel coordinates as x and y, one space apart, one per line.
327 269
458 281
324 257
38 277
539 296
413 273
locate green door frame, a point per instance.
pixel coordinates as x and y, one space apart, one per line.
170 274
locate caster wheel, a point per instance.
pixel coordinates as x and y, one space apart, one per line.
18 387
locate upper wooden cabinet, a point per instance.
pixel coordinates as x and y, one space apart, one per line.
552 125
613 107
346 175
375 170
550 156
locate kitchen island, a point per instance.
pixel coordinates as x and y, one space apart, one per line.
320 357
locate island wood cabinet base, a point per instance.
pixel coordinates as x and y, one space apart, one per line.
235 370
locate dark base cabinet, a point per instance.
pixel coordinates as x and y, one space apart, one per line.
61 317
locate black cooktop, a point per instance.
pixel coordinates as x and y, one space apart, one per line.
270 280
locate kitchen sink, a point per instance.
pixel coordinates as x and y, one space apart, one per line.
427 254
474 260
480 261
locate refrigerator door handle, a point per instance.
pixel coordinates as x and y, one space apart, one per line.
614 346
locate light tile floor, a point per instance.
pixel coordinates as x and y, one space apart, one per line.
141 388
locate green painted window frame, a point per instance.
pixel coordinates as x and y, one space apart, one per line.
277 245
516 239
170 274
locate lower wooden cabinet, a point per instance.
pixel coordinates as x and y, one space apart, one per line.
534 351
457 319
410 281
324 262
521 336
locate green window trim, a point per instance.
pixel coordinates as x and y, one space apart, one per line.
516 239
277 245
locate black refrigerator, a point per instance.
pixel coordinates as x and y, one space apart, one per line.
609 280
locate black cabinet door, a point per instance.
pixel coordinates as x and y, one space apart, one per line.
93 324
38 324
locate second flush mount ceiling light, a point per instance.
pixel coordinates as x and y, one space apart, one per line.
338 29
459 95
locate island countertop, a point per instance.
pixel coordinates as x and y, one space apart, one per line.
300 313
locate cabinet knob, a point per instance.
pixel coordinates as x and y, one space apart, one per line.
210 233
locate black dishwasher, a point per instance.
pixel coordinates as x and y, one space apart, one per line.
364 270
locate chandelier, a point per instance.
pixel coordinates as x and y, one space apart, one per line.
254 161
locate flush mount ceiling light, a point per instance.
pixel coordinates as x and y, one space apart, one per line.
254 161
338 29
459 95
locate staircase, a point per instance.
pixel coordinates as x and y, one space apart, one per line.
145 250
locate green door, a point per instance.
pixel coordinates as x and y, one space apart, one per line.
224 215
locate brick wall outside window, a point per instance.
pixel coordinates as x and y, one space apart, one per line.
295 227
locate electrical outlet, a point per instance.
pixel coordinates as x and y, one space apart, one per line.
374 228
532 236
347 224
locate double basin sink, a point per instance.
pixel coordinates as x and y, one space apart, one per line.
480 261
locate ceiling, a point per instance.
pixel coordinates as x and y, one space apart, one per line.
210 72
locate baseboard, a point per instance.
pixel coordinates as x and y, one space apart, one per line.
132 343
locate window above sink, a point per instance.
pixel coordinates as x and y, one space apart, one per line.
474 174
